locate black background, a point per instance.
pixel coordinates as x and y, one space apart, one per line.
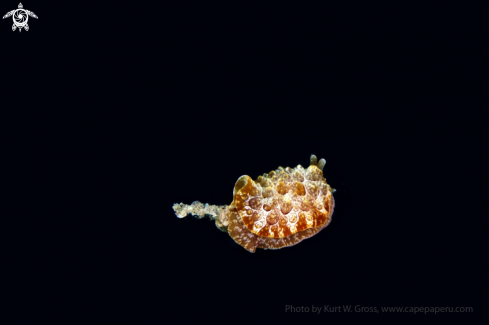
114 112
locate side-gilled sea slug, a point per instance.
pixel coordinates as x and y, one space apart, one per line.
279 209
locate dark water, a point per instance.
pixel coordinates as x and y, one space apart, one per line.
107 125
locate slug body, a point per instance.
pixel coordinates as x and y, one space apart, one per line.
279 209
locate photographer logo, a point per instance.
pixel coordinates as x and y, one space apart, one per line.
20 17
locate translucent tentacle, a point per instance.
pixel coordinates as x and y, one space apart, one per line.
218 213
322 163
314 160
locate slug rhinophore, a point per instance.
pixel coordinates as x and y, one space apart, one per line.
279 209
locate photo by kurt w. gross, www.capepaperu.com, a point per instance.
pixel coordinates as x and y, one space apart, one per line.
368 309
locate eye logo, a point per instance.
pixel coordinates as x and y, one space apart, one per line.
20 17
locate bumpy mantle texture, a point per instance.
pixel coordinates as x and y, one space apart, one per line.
279 209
